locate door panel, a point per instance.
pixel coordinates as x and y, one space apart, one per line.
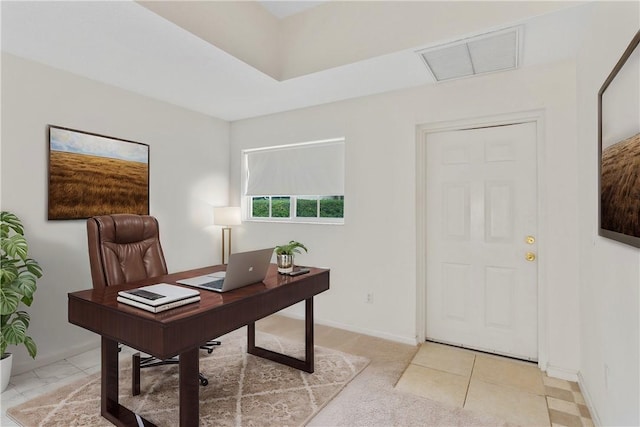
456 279
499 301
499 212
456 204
481 205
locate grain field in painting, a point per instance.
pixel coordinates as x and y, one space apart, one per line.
620 187
82 185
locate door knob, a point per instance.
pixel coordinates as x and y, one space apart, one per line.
530 256
530 240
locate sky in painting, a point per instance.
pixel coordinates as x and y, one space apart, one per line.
621 104
82 143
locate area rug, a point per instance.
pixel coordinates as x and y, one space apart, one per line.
243 390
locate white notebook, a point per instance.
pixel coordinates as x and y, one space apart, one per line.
159 308
160 294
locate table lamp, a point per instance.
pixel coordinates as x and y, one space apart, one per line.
226 216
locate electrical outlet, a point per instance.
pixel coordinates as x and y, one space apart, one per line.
369 298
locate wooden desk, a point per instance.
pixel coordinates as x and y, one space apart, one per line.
182 330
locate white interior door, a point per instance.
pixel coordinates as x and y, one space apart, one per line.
481 217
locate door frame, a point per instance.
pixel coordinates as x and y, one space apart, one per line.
422 133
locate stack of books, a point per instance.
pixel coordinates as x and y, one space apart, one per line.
160 297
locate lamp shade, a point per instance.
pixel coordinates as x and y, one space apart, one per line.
227 216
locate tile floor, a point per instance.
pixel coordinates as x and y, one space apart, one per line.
26 386
513 390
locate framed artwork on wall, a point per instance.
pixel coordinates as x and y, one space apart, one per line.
91 174
619 148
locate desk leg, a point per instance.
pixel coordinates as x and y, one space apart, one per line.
189 392
109 406
109 385
309 342
251 337
306 365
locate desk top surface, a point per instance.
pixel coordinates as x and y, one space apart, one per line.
179 329
209 300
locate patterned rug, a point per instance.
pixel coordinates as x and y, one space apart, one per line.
243 390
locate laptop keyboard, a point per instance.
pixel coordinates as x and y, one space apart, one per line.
216 284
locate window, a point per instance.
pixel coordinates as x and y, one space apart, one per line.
271 207
320 207
296 183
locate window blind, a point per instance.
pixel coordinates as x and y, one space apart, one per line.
315 168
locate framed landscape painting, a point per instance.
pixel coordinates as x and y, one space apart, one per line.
619 143
92 174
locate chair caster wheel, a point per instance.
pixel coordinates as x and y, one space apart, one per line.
204 382
210 351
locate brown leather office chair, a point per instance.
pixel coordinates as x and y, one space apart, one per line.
124 248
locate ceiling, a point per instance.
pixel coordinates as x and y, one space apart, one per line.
282 9
124 44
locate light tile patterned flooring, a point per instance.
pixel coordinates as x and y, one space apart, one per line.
28 385
513 390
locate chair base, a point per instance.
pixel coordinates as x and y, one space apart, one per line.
138 362
210 346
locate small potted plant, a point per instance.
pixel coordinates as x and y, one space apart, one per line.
18 275
285 253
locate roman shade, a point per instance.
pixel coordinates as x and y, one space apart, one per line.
315 168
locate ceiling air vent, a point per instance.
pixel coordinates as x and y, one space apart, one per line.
486 53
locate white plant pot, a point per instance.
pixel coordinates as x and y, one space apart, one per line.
5 367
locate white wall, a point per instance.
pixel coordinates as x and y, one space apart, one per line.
609 271
375 250
189 160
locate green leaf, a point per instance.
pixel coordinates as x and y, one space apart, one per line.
25 284
27 300
290 248
15 246
8 273
9 300
15 332
33 267
31 346
23 317
10 221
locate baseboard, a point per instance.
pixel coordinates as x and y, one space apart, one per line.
29 364
363 331
589 401
562 373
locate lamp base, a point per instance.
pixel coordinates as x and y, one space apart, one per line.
226 248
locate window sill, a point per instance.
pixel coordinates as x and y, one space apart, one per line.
337 221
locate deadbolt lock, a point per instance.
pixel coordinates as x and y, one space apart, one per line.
530 256
530 240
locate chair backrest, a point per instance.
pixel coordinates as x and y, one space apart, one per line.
124 248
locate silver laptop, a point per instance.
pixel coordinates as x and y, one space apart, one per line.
244 268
